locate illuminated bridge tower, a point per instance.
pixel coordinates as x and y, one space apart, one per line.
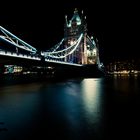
72 30
76 46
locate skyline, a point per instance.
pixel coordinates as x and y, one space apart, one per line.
115 27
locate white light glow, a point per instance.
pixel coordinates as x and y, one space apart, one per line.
18 55
88 52
92 98
94 51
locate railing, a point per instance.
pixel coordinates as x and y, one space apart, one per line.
62 62
13 54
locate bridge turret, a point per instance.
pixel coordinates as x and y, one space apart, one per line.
77 46
66 21
76 18
84 23
73 29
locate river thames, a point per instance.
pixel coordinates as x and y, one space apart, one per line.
71 109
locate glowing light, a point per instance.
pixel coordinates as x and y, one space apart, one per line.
72 42
69 25
88 52
62 62
18 55
94 51
92 98
78 20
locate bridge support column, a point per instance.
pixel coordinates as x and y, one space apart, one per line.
84 59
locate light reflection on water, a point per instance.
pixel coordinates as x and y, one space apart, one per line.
76 109
92 90
72 105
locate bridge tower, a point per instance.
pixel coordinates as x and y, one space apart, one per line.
76 46
72 30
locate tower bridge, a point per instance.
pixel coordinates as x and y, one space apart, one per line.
75 49
76 46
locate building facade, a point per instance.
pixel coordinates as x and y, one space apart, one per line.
87 52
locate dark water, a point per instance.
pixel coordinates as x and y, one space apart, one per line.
75 109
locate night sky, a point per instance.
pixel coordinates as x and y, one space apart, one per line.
114 24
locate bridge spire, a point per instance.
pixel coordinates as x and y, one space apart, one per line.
75 10
66 20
